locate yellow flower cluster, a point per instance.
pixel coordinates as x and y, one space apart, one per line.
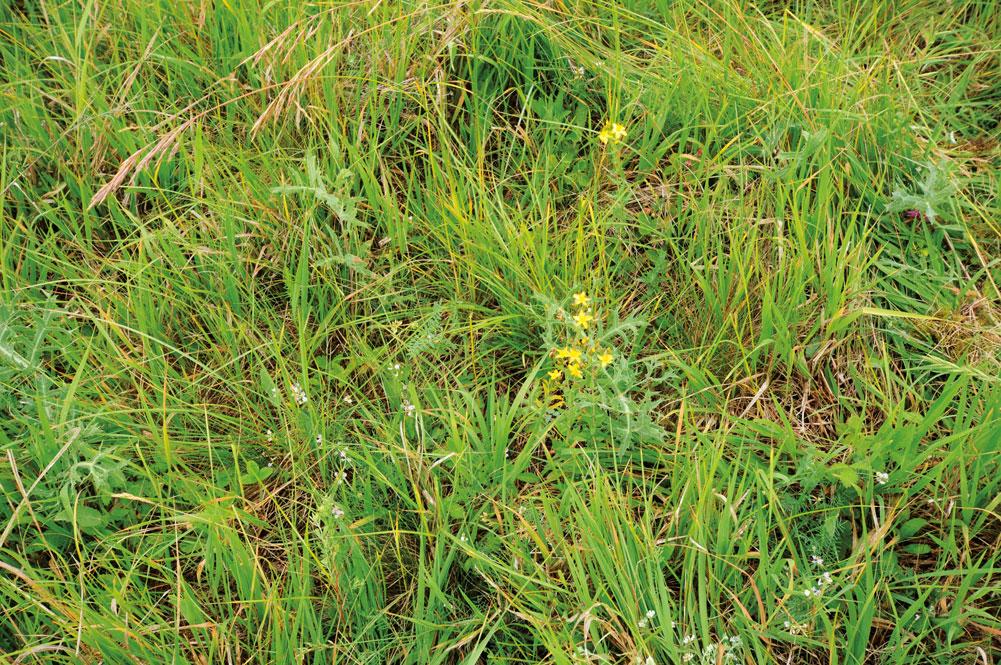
613 132
573 359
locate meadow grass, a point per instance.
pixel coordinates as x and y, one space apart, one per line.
288 347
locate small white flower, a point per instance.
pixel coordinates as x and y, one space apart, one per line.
463 538
688 657
408 408
882 477
808 593
348 400
825 579
649 661
650 614
816 560
337 512
642 623
270 436
341 477
298 394
688 639
319 439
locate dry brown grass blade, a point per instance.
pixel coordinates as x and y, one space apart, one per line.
73 434
39 649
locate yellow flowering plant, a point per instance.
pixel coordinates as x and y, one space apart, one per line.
612 132
587 384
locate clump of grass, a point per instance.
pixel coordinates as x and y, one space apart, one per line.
499 332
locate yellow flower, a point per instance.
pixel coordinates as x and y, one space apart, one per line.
574 370
612 132
581 299
606 358
568 353
583 319
555 375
